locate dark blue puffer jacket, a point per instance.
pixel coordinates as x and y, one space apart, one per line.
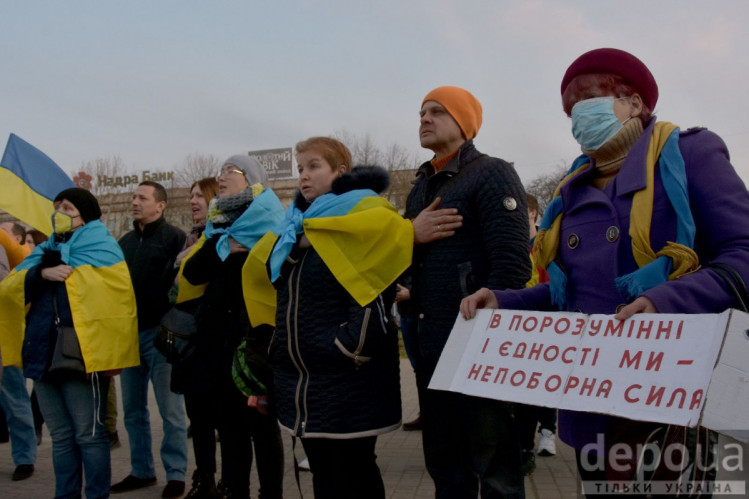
41 331
489 250
336 363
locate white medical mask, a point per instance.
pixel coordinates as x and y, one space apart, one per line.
594 122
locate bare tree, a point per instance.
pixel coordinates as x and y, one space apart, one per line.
543 185
397 157
195 167
398 160
108 180
363 149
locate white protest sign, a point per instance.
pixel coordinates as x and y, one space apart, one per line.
727 409
651 367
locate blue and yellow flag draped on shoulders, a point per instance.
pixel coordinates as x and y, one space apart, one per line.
29 181
675 259
360 236
264 213
102 301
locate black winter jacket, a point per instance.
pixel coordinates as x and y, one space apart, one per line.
221 318
489 250
336 367
150 256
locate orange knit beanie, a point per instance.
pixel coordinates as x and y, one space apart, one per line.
462 106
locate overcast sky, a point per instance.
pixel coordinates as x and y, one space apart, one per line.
154 81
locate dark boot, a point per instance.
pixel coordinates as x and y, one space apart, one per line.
203 486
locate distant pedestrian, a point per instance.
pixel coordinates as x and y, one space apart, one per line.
150 251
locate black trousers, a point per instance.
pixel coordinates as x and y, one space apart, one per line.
242 429
342 469
529 417
471 444
202 413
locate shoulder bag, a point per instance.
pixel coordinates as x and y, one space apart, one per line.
175 337
67 356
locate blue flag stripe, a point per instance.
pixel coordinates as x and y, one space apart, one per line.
36 169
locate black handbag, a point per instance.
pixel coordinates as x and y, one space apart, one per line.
66 357
175 337
735 283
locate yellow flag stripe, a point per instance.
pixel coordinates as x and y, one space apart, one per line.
259 293
185 290
104 316
366 250
12 318
18 199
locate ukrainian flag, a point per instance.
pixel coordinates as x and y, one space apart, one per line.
29 181
102 301
360 236
264 213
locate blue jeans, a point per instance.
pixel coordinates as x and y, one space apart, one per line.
154 367
74 410
14 399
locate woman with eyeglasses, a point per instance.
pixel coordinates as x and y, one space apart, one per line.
242 212
202 427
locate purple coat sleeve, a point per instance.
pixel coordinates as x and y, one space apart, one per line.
535 298
720 205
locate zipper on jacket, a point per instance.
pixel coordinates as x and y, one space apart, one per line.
294 351
299 351
291 350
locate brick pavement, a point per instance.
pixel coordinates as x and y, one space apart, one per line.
399 456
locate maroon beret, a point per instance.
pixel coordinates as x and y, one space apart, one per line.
616 62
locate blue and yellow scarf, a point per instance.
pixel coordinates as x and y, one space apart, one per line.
102 301
264 213
670 262
360 237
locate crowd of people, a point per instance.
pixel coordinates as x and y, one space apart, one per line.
287 316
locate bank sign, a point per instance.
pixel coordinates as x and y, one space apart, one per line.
277 162
85 180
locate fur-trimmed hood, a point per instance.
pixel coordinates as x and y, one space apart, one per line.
360 177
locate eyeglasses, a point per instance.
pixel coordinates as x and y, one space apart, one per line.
229 171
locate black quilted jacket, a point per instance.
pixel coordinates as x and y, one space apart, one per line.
489 250
336 367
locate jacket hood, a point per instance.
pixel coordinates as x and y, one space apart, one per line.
360 177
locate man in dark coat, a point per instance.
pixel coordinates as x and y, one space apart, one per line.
479 235
150 250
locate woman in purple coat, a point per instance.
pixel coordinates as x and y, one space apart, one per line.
637 226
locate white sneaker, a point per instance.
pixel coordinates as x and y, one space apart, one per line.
304 465
547 445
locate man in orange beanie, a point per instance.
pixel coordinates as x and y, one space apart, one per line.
471 230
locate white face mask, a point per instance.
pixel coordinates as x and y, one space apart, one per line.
594 122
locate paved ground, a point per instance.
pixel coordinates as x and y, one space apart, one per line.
399 456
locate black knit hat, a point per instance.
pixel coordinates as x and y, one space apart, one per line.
82 199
